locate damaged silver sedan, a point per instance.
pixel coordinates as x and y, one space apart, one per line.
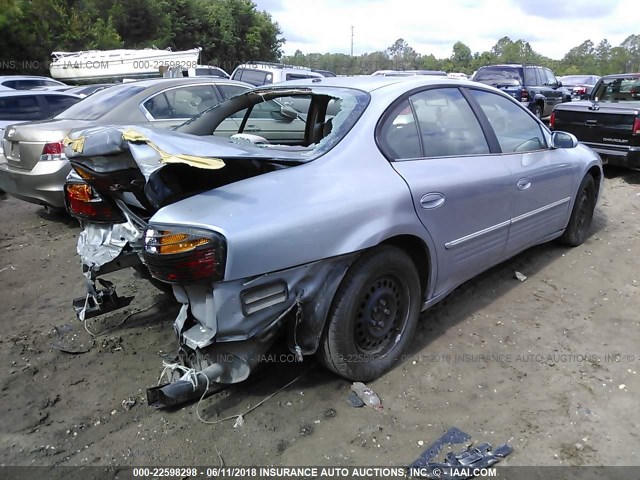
330 211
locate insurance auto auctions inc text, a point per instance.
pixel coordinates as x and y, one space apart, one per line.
351 472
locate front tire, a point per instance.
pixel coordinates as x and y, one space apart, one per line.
373 315
579 224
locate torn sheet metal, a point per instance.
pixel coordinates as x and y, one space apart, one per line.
456 466
226 313
136 136
100 243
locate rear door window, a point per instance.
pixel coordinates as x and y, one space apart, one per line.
185 102
21 107
59 103
229 91
448 126
530 76
253 76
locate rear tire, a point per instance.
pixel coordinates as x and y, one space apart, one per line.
373 315
579 224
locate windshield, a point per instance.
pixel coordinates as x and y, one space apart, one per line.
498 76
616 89
288 122
100 103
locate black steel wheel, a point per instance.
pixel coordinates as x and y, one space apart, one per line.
579 224
373 315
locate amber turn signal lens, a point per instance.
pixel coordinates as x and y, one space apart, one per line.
80 191
178 242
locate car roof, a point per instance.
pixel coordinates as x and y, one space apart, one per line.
369 83
622 75
170 82
26 77
19 93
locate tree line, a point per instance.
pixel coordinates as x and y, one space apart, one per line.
227 30
586 58
234 31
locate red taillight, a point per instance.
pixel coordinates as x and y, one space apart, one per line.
580 90
185 256
552 120
53 151
636 126
54 148
82 201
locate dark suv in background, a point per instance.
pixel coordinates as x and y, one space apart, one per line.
535 86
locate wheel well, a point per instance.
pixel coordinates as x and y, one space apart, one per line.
419 253
597 177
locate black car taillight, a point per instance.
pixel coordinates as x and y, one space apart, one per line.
84 202
184 254
636 126
524 95
552 120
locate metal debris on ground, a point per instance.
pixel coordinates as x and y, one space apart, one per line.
456 466
368 396
128 403
519 276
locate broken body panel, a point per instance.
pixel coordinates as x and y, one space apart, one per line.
269 279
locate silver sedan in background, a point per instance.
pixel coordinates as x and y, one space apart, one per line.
36 167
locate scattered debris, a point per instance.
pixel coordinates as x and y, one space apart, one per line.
330 413
6 268
468 459
67 340
519 276
128 403
367 395
583 411
239 422
354 400
621 386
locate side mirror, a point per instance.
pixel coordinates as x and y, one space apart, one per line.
563 140
559 83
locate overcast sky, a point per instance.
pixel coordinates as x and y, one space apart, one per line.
552 27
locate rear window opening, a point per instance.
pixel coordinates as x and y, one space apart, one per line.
291 123
618 89
253 76
496 76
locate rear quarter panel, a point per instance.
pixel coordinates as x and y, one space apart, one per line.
345 201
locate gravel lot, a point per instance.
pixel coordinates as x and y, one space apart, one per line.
549 364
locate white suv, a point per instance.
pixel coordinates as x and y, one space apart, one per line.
262 73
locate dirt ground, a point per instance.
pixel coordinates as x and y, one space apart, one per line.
549 364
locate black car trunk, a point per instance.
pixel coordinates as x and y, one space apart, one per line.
608 124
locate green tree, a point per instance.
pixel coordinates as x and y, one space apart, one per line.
461 57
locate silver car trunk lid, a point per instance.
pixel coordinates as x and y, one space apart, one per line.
23 143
